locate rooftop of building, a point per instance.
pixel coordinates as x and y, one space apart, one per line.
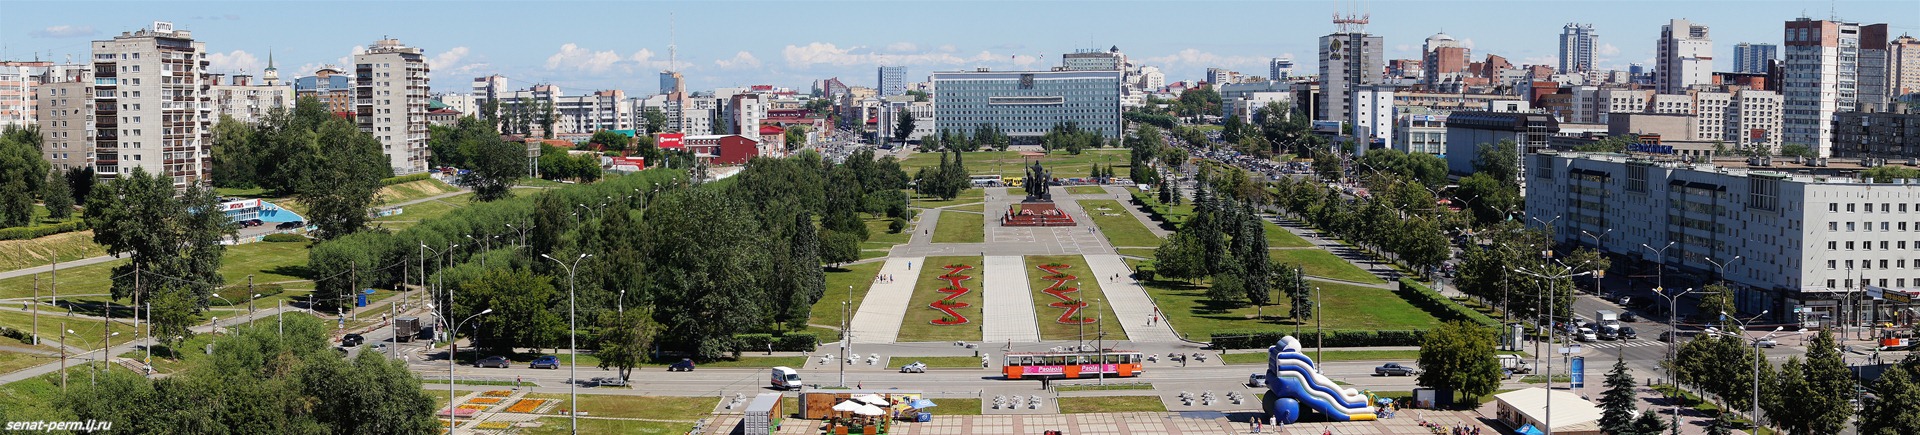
1831 170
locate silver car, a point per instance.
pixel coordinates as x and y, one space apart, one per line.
1257 380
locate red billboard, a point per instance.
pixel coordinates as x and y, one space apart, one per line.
671 140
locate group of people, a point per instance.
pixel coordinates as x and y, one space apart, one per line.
884 277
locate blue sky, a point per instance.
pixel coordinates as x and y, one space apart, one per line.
583 46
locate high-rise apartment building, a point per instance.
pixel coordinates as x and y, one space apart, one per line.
390 102
333 88
893 80
1349 59
1822 71
1445 62
245 99
1873 67
1903 67
490 88
66 129
1751 58
1280 69
1684 58
1576 48
149 108
18 105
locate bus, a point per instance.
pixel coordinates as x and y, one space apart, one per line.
986 180
1073 365
1013 181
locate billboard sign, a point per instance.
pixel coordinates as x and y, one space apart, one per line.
1331 127
672 140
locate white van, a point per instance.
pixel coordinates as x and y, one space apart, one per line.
786 378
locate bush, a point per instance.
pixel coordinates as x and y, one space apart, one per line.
1262 339
237 294
789 342
38 231
898 225
283 238
1440 306
389 181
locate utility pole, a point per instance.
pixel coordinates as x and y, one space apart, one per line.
1319 334
63 356
36 310
250 299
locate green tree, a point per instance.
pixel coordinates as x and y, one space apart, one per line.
706 285
522 304
918 96
1894 408
801 281
1888 173
838 248
80 181
342 174
178 238
904 128
610 141
235 153
796 137
1715 299
1798 150
1617 402
1610 144
21 169
497 164
57 196
624 339
1459 355
1649 423
1500 161
1227 290
656 120
1809 396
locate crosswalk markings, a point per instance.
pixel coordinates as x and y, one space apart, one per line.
1627 343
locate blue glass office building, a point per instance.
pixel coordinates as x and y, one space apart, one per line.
1026 104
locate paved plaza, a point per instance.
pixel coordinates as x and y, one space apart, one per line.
878 318
1143 423
1008 312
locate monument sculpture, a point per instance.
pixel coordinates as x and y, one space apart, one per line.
1038 209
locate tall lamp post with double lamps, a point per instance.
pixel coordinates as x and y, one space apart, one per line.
453 345
1566 272
1757 356
1673 334
573 358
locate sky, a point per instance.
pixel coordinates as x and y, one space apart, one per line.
587 46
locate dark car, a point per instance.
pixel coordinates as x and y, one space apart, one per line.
1629 317
684 365
351 340
1627 333
1395 369
546 362
493 361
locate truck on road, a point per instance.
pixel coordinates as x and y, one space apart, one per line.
1606 318
1513 364
404 328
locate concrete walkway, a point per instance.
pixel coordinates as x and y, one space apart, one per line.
1008 310
1130 301
878 318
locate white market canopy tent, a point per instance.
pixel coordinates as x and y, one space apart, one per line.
1571 414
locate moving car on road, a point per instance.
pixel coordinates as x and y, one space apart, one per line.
916 367
1395 369
683 365
546 362
495 361
351 340
1257 380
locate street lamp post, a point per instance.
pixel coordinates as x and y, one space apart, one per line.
1722 268
1597 288
573 331
1660 271
1565 273
1757 356
453 348
1673 335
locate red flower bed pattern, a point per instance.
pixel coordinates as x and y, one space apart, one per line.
1072 306
953 291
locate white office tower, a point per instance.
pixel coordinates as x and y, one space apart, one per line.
1280 69
390 102
1823 69
893 80
1348 59
1685 57
1576 48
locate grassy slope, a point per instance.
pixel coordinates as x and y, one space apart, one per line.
1049 317
1119 225
1324 264
827 310
1347 307
21 254
918 326
1012 164
960 227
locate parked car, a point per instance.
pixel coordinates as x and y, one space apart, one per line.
1627 333
495 361
1671 336
1587 334
1257 380
546 362
916 367
351 340
683 365
1766 343
1629 317
1395 369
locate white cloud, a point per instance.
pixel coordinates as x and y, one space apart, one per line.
1196 58
902 46
572 57
948 48
740 60
644 59
1607 50
447 59
65 31
1466 42
234 62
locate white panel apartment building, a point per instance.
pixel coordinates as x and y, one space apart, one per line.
66 122
1821 77
1684 58
247 100
1804 240
390 102
18 103
1744 117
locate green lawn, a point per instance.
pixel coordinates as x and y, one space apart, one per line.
879 238
86 332
1086 190
1107 387
560 425
414 214
827 311
1173 215
1013 164
936 362
1347 307
976 208
42 251
38 397
956 407
685 409
1049 316
960 227
1087 405
1281 238
1119 225
918 324
267 262
412 190
966 196
1320 263
1404 356
12 361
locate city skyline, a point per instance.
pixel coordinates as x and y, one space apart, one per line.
240 36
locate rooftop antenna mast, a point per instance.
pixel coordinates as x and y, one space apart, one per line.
673 54
1351 23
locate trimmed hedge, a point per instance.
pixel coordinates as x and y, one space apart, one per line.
1262 339
1440 306
283 237
789 342
38 231
237 294
389 181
